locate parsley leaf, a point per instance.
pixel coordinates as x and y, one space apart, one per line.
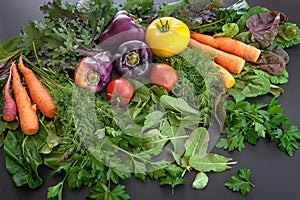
173 181
240 182
287 139
249 122
101 191
170 175
56 191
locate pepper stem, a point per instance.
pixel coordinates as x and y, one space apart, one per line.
132 59
92 78
163 27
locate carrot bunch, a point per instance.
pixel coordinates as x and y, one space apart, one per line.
228 53
27 110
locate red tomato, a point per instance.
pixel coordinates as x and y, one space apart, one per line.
164 76
120 91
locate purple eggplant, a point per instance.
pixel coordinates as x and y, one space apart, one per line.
120 29
94 72
133 59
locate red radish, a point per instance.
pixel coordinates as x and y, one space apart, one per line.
10 108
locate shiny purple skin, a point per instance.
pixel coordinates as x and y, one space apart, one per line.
99 66
138 70
121 29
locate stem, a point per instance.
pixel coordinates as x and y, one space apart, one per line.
132 59
204 25
163 27
170 138
92 78
251 184
132 155
35 54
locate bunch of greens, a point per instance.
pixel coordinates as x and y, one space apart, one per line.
66 29
258 26
249 122
240 182
201 84
95 144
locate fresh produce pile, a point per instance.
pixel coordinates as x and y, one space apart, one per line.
101 92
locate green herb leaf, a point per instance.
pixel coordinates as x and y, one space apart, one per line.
229 30
200 181
101 191
7 126
9 49
56 191
249 85
196 144
240 182
23 158
52 139
289 140
211 162
172 181
288 35
177 105
153 119
140 8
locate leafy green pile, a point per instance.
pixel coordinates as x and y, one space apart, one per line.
241 22
249 122
66 29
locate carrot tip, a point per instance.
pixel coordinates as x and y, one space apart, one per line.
8 118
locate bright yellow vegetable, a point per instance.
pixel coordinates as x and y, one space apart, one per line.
167 36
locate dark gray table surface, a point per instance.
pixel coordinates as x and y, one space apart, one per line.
276 175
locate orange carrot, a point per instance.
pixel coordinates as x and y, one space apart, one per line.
229 45
39 95
226 76
27 112
10 107
232 63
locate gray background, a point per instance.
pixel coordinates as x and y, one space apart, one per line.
276 175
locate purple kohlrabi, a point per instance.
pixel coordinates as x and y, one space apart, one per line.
94 72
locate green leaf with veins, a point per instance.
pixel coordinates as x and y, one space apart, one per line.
240 182
249 85
23 158
196 144
211 162
9 49
177 105
56 191
101 191
229 30
153 119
